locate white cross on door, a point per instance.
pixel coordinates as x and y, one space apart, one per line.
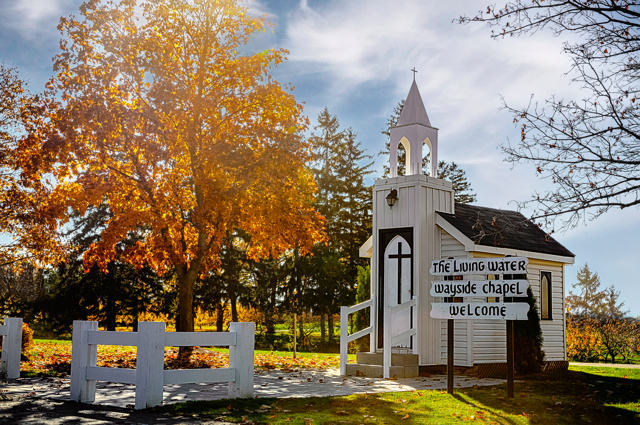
397 277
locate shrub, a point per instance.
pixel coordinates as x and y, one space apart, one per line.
529 357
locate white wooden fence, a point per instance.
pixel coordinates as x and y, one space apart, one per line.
149 375
11 333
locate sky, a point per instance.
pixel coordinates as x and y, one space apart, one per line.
355 58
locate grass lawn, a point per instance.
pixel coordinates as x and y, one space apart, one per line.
589 394
584 395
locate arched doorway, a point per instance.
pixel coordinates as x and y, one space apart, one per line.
395 280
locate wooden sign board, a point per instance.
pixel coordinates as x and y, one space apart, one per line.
462 266
479 288
479 311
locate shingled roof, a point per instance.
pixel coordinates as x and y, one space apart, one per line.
503 228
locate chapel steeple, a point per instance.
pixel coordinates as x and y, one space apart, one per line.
413 129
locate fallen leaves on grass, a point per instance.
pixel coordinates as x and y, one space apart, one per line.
54 359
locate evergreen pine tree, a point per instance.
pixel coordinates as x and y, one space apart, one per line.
352 201
340 168
361 317
528 354
461 186
592 301
363 293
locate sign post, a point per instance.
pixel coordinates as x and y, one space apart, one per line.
450 362
480 310
510 358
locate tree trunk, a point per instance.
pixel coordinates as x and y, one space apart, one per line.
301 329
323 330
110 313
270 315
270 322
220 316
295 336
186 281
330 324
234 308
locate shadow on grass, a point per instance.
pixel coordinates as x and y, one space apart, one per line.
568 398
355 409
32 410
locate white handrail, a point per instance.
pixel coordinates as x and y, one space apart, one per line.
405 305
345 338
360 334
358 307
388 340
405 334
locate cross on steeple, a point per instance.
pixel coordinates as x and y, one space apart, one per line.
414 73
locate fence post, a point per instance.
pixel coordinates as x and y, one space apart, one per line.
150 364
11 348
344 339
83 355
242 360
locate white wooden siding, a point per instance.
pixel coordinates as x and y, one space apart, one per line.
489 345
451 247
419 197
462 329
553 331
490 342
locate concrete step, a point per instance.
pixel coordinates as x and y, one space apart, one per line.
375 371
396 359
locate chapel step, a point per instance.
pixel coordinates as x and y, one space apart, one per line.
370 365
397 359
376 371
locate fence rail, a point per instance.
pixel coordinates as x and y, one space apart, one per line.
11 333
149 376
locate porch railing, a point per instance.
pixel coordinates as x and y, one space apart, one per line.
388 339
345 338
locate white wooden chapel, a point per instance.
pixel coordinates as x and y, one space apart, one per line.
424 224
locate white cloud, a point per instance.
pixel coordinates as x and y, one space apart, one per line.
33 18
462 72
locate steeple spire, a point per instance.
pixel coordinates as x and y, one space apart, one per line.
413 111
413 129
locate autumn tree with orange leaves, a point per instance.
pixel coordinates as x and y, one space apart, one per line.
26 237
165 116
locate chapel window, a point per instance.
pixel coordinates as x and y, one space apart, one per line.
545 295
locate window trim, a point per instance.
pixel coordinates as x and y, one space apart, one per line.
548 303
